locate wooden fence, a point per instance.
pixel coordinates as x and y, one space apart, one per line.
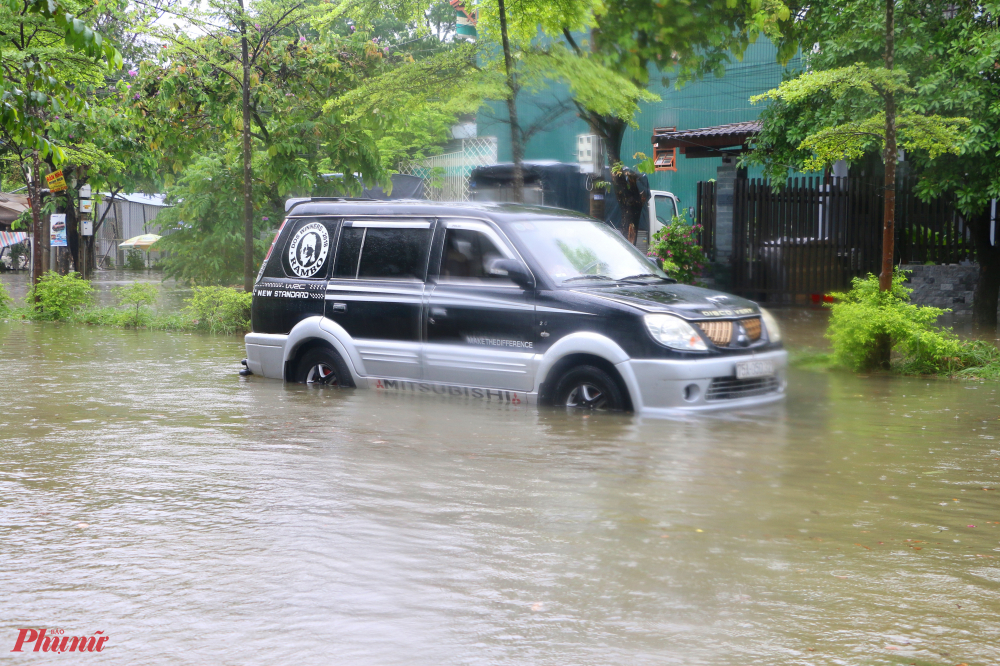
815 234
705 216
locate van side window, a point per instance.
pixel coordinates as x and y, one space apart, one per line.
349 252
467 255
394 253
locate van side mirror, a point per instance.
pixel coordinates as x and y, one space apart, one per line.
656 261
515 270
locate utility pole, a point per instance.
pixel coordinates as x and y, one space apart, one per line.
86 218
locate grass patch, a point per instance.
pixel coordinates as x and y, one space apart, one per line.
810 359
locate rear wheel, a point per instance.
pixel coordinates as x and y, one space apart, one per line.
323 367
588 387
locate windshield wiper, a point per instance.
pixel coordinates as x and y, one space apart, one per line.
589 277
644 275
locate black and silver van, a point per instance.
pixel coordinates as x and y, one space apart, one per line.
505 302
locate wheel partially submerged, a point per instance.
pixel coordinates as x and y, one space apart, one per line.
323 367
588 387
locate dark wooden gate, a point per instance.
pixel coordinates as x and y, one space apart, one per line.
814 235
705 216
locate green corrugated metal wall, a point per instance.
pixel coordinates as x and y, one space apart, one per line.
711 101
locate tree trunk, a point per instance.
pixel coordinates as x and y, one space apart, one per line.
626 182
35 194
248 273
891 156
73 236
516 140
984 304
882 350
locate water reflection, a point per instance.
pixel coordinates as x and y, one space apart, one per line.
245 521
171 293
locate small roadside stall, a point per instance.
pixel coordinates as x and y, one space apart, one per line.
12 206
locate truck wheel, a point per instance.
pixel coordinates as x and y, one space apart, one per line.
321 366
588 387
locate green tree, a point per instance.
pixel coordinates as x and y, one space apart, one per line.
302 144
942 84
636 39
49 58
238 35
139 295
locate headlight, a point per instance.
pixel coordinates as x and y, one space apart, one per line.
674 332
771 324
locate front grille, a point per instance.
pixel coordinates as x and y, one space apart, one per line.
730 388
719 332
752 327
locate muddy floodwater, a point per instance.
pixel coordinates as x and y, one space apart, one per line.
196 517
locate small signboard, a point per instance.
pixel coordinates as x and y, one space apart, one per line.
85 191
86 205
86 227
55 181
57 233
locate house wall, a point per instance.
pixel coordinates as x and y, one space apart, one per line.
710 101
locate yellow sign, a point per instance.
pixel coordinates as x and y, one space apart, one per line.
55 181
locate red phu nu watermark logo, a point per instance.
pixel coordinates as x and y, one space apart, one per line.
56 640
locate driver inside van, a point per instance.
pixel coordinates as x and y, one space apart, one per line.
468 254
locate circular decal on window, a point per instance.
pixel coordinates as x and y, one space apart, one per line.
308 249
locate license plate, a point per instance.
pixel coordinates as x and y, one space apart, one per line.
749 369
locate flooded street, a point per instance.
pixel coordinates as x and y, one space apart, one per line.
196 517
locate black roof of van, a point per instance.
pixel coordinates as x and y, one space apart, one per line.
496 211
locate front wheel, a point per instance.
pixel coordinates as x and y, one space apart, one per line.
588 387
323 367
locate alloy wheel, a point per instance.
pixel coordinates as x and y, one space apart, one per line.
586 396
321 374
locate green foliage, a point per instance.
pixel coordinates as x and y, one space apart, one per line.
134 259
324 99
677 245
208 248
51 58
864 316
139 295
932 135
645 164
55 297
220 309
948 51
119 318
5 300
838 83
856 88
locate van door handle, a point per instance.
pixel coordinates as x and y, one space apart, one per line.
439 312
340 307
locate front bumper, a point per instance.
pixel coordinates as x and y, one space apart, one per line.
670 386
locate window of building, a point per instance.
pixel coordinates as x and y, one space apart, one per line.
664 159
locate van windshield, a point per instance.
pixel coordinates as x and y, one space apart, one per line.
577 251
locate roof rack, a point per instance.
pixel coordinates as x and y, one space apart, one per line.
291 203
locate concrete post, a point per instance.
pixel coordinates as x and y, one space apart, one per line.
725 184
